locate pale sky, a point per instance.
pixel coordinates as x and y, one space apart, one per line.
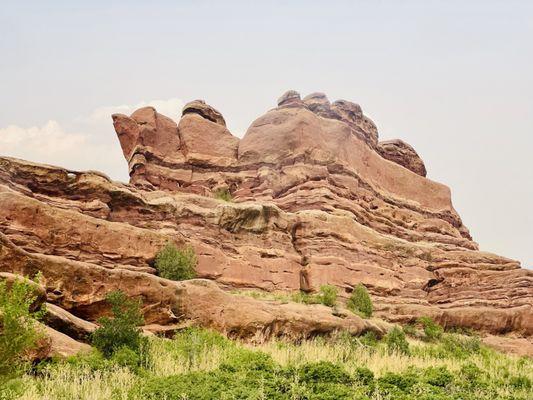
452 78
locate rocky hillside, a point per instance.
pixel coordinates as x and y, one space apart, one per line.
316 199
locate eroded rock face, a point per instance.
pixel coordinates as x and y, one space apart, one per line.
205 111
316 200
401 153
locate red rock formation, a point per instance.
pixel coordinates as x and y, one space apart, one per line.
316 199
401 153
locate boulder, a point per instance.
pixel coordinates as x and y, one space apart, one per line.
67 323
61 345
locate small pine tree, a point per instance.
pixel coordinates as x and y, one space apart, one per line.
173 263
122 330
360 302
396 341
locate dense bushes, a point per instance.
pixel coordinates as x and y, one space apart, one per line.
200 364
360 302
120 336
176 264
19 332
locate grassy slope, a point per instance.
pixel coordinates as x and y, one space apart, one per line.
200 364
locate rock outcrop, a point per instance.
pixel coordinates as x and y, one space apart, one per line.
316 199
401 153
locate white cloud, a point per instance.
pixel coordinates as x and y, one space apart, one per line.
52 144
91 144
170 108
46 143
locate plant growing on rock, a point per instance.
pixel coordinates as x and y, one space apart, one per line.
122 330
360 302
223 194
176 264
19 333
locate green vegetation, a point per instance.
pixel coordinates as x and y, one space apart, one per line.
327 295
120 336
432 330
176 264
396 341
201 364
223 194
360 302
19 332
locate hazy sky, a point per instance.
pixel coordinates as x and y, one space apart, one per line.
452 78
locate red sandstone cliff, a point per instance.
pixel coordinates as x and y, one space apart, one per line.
317 199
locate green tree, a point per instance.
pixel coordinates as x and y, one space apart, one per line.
19 332
176 264
122 330
360 302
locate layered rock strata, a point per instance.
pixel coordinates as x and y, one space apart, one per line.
317 199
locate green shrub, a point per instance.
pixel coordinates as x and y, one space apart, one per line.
369 339
223 194
126 357
93 360
247 360
324 372
432 330
360 302
403 381
305 298
19 332
409 329
396 341
438 376
176 264
520 382
123 329
364 376
458 346
327 295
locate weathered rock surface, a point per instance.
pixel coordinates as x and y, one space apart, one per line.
205 111
316 200
401 153
64 322
61 345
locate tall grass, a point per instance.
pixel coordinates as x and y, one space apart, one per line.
197 351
